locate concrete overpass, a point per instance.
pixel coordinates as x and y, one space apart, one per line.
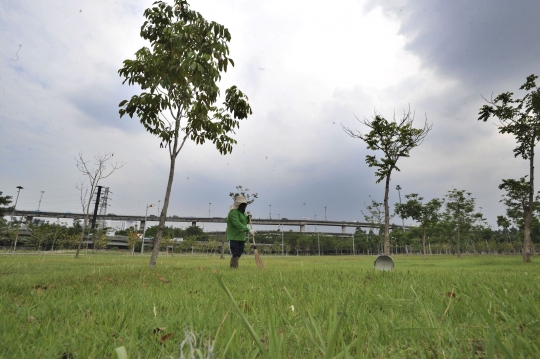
301 223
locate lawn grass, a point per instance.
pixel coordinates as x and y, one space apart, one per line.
55 306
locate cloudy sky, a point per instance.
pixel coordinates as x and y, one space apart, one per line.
307 67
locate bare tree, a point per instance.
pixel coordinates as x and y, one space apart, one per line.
94 172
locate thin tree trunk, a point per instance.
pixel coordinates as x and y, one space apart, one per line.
424 240
173 154
163 214
82 235
458 240
54 238
386 249
528 213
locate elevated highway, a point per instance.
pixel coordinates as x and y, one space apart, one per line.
301 223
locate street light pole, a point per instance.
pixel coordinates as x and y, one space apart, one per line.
158 203
144 230
281 230
18 224
39 205
398 187
19 191
318 239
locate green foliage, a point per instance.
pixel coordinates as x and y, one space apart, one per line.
4 204
40 233
516 198
375 215
250 198
100 240
425 214
132 240
518 117
460 206
194 231
395 139
503 222
178 75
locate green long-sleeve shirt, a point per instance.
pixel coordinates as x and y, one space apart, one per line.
237 225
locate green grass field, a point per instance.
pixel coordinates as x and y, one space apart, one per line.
55 306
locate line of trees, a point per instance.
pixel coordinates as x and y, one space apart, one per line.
44 236
437 237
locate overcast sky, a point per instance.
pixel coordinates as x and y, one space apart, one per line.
307 67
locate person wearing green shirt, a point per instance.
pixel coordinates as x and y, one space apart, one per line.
237 228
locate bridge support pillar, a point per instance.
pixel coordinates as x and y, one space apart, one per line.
343 229
193 224
29 220
302 228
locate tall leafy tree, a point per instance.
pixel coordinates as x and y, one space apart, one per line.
516 201
132 240
179 74
426 214
504 222
395 139
520 117
40 232
460 206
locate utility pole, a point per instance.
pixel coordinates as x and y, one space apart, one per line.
39 205
144 230
103 206
209 204
325 213
96 207
398 187
158 202
270 210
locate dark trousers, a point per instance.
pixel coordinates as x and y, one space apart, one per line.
237 248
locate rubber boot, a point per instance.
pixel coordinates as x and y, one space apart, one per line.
234 262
